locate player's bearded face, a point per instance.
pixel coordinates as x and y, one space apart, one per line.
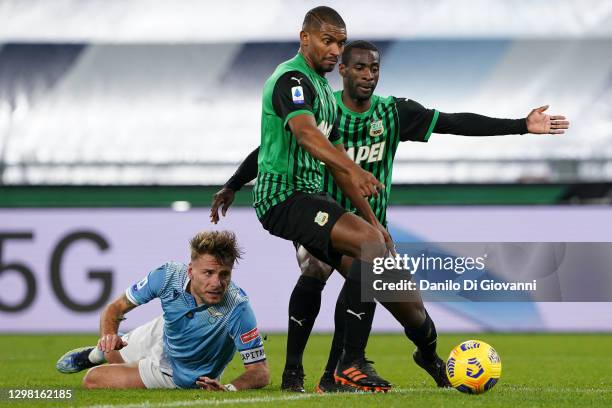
325 47
209 279
361 74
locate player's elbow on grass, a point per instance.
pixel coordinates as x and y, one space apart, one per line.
258 375
262 376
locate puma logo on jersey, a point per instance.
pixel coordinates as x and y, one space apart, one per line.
369 154
298 80
299 322
358 315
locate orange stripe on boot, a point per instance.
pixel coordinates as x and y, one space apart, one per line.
355 373
359 377
349 370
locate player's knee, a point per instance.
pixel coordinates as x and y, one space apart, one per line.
312 267
316 272
373 245
374 236
92 379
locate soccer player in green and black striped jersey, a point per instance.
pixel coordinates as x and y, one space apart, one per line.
371 139
297 135
371 128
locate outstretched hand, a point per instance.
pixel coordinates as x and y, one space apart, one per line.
223 198
209 384
540 123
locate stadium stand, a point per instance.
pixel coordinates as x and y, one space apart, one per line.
121 114
147 95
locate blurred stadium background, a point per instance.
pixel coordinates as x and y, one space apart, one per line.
118 120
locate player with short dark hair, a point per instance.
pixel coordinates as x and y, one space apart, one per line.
371 128
299 111
206 319
316 18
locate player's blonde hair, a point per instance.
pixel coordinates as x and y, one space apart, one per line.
220 244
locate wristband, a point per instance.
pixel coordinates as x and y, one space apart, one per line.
230 387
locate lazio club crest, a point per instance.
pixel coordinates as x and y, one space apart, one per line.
376 128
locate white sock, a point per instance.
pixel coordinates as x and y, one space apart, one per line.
96 356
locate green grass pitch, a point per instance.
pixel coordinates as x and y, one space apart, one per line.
538 370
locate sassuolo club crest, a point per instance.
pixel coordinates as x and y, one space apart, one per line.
376 128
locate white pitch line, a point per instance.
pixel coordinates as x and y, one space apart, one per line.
250 400
255 400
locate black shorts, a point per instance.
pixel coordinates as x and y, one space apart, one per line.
308 220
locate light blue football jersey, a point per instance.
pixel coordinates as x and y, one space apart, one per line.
199 340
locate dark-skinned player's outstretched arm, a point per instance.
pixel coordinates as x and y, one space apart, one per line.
466 124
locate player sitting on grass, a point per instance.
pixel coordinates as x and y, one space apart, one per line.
371 128
206 318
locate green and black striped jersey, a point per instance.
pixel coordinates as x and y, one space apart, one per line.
285 167
371 139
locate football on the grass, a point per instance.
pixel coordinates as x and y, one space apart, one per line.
473 367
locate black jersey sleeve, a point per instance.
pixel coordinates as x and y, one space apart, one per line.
472 124
416 123
293 95
247 171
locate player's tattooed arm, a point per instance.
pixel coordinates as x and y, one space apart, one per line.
247 171
256 375
111 317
